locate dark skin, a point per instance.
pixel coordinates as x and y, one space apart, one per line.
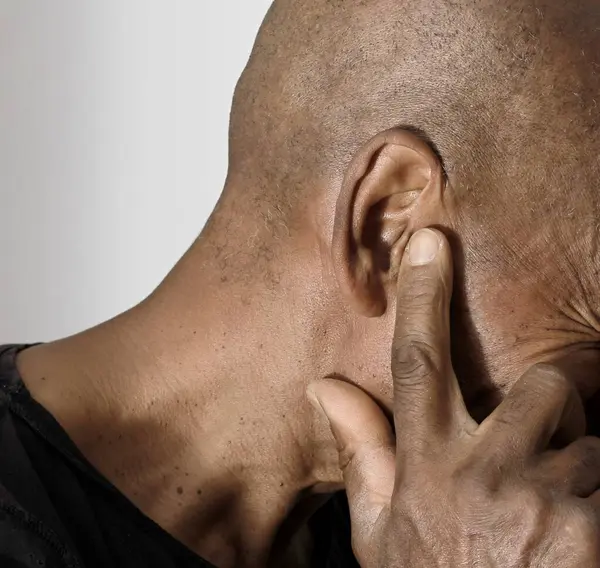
444 491
505 93
193 403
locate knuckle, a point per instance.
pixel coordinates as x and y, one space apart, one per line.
483 493
586 453
410 500
538 514
346 456
475 485
413 358
533 506
574 470
551 378
580 524
425 294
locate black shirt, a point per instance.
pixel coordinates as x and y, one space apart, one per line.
57 511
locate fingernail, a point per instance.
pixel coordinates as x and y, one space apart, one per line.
423 247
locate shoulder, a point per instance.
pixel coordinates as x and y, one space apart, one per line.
25 540
10 379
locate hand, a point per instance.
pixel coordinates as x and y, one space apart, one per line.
447 492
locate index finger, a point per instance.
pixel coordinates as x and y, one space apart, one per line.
428 404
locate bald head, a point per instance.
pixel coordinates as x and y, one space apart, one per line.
485 81
479 117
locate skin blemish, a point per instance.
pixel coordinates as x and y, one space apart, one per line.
180 490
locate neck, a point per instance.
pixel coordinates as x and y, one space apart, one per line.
193 405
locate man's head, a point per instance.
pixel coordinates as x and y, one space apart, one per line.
357 122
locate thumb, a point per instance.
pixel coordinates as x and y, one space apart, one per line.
366 448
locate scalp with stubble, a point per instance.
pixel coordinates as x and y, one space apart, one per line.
505 91
498 87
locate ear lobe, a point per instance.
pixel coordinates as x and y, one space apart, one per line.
392 188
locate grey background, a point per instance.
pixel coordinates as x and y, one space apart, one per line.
113 148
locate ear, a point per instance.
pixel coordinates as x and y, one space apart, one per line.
393 187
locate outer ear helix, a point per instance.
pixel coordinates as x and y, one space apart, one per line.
380 199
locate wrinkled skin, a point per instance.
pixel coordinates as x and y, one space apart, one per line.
517 491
